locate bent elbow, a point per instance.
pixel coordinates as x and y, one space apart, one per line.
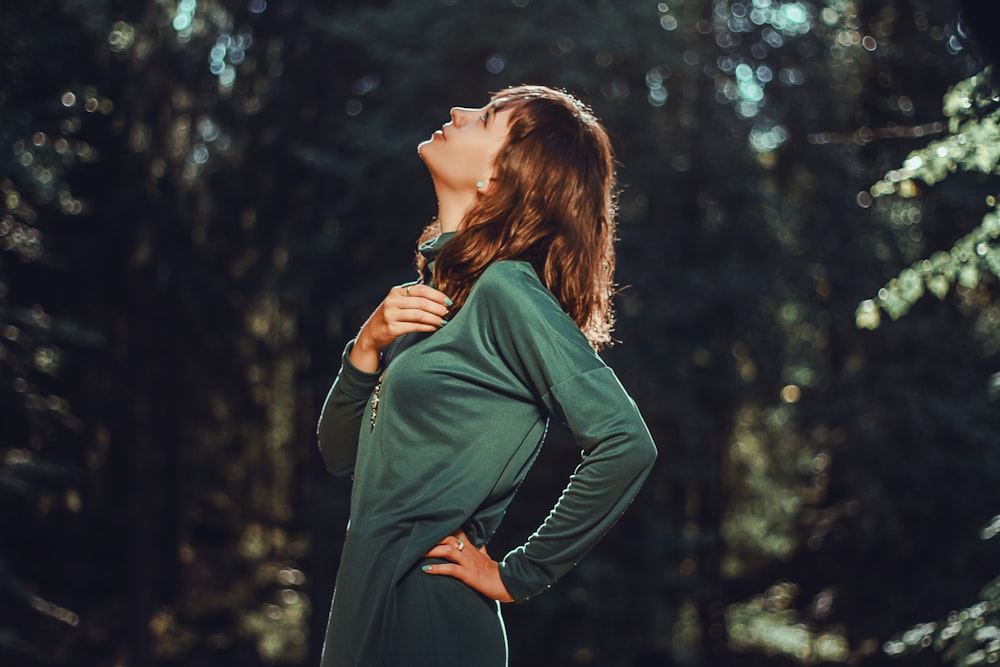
338 461
649 455
641 455
337 466
339 470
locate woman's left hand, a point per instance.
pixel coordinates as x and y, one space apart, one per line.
470 565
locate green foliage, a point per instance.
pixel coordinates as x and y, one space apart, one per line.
145 366
969 636
771 472
770 623
190 237
973 145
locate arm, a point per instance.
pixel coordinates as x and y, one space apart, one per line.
340 419
617 455
551 357
406 309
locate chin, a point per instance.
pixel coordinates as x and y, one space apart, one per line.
421 147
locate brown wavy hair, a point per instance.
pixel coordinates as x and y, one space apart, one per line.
551 203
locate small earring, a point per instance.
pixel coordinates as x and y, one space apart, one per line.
480 185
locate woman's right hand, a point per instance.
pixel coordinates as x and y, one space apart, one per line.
406 309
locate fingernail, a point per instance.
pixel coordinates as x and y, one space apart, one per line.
443 321
448 302
426 568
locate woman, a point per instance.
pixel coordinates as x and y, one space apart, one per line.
444 396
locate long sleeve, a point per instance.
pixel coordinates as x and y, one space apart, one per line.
550 355
343 411
617 454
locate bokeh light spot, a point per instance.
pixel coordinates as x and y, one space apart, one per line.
495 64
791 393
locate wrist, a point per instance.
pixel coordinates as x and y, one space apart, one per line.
364 355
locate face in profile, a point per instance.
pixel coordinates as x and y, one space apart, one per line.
461 153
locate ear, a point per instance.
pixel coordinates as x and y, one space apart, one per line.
484 185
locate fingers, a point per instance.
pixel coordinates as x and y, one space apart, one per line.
415 303
470 565
421 297
426 292
422 310
446 569
395 314
450 548
409 308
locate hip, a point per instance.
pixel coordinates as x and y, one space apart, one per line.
437 621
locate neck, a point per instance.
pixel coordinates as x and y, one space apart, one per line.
452 207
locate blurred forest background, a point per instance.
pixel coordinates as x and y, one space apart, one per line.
203 199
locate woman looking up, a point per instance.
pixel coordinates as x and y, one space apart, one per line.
443 398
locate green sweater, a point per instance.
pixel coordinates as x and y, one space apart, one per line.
461 416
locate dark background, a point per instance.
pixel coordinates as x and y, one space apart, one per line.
203 199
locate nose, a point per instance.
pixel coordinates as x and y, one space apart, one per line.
458 115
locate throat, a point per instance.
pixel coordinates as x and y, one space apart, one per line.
452 207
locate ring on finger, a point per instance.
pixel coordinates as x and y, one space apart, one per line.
461 543
407 289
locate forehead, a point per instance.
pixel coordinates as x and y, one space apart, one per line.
499 104
503 111
500 111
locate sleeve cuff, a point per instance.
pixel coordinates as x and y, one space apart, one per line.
353 381
521 578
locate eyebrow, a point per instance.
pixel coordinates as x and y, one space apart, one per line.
497 105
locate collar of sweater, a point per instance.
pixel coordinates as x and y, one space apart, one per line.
430 249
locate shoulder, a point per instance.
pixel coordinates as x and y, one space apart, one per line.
506 270
510 294
514 280
528 325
